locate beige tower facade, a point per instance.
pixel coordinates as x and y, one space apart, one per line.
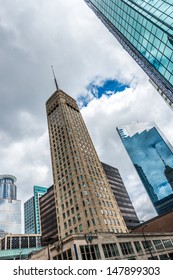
84 200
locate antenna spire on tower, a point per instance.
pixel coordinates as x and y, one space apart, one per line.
56 84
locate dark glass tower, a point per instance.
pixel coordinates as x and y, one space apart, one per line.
145 30
152 157
121 195
49 227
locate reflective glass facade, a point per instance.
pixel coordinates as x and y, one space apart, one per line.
38 192
10 216
7 187
145 30
32 211
152 157
29 216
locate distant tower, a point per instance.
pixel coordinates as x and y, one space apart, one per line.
7 186
84 201
144 29
10 207
121 195
29 216
32 211
152 156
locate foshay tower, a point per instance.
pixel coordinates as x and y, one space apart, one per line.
83 198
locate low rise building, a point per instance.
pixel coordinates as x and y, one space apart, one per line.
109 246
18 246
162 223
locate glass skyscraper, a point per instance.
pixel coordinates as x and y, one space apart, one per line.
7 187
29 216
32 211
152 156
10 216
145 30
10 207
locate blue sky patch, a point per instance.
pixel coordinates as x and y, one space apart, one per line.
97 90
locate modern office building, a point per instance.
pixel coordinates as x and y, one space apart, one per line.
38 192
10 207
152 156
8 188
29 216
10 216
121 196
83 198
48 218
145 30
32 211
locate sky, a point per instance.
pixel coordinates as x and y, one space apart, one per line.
92 67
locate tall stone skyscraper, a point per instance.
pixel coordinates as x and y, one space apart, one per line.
145 30
152 156
84 200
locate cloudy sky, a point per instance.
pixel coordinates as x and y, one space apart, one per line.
92 67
